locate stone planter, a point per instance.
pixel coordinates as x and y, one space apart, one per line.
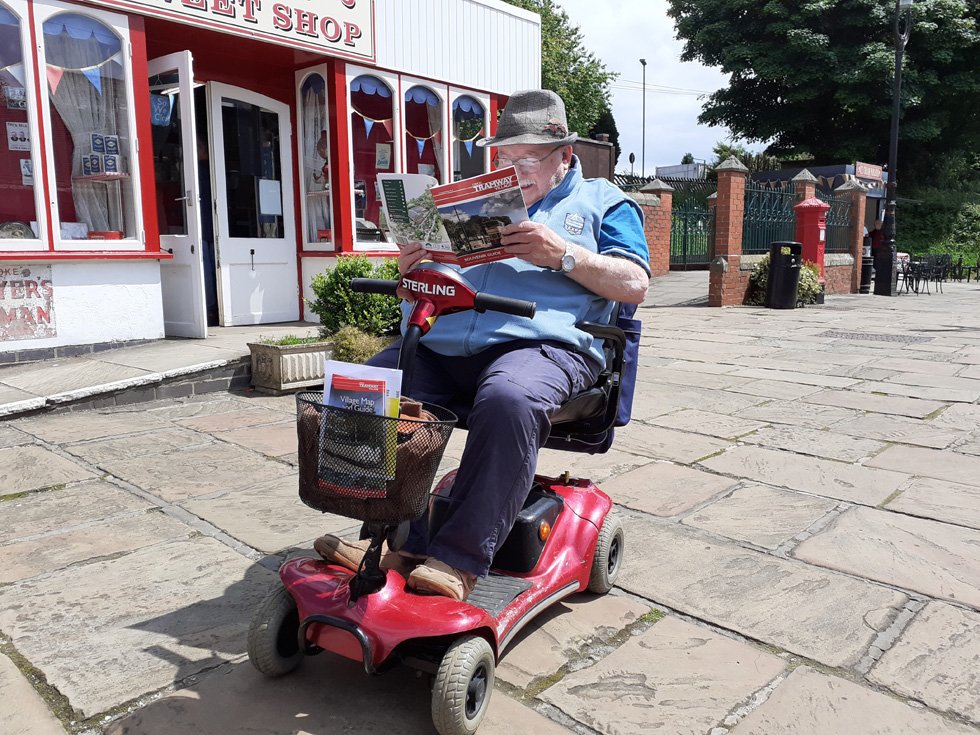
281 369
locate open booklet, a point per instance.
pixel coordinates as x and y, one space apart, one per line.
459 223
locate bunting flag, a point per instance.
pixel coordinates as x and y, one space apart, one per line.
94 76
17 72
54 77
387 125
469 147
368 124
438 137
421 143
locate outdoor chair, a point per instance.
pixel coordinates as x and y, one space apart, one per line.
972 270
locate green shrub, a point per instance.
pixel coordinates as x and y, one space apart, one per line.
806 293
289 339
338 306
353 345
924 227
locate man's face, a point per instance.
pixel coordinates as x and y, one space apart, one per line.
536 180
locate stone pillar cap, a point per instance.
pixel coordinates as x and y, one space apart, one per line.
732 164
805 177
657 185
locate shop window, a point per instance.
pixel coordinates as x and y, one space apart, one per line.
90 134
18 203
469 120
168 153
372 126
315 154
423 132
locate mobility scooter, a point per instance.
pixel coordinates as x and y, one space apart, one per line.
565 540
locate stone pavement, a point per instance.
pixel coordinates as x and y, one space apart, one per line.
801 493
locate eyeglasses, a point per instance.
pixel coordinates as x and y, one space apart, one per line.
531 165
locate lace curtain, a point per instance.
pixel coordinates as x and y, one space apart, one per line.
314 179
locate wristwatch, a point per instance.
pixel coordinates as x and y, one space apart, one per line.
568 259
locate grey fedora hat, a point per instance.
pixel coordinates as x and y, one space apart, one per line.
532 117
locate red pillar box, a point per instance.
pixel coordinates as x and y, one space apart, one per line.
811 230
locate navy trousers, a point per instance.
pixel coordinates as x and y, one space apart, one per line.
507 394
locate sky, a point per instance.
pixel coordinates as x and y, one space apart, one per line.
620 33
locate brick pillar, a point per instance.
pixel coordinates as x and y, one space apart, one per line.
727 286
858 202
656 199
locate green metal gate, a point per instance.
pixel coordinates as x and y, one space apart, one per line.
691 234
768 216
838 222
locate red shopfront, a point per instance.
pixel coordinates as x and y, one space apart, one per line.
234 160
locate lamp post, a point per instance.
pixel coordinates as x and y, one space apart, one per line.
643 156
886 261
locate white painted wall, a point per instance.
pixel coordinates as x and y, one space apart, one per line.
481 44
104 301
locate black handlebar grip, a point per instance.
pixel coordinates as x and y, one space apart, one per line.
518 307
374 285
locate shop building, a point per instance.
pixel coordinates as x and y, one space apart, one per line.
173 162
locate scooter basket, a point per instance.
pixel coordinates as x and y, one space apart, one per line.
368 467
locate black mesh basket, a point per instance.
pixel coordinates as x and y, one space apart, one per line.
368 467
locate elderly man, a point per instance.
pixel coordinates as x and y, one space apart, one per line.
582 249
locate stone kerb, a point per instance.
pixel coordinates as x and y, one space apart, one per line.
728 282
656 199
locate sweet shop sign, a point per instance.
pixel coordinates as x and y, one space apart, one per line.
26 302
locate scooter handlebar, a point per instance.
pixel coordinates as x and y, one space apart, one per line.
518 307
374 285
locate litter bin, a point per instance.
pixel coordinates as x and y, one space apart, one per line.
785 260
867 268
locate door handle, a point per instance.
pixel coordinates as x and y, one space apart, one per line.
252 252
169 250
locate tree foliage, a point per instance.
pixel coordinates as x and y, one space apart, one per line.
607 124
568 68
752 161
817 75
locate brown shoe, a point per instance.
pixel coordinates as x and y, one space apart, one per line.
436 578
349 554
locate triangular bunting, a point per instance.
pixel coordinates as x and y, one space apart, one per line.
54 77
94 76
421 146
368 124
387 126
17 72
469 147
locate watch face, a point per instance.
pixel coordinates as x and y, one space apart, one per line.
567 262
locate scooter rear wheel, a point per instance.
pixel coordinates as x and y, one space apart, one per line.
608 557
273 647
463 685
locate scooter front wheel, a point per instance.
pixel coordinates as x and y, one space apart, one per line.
463 685
608 556
273 647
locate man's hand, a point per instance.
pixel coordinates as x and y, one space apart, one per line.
534 242
408 257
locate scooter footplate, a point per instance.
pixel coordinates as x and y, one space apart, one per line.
496 592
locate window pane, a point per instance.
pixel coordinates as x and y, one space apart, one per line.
423 132
253 170
315 152
469 119
374 150
18 211
168 154
90 133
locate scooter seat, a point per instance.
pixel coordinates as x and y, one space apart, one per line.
586 404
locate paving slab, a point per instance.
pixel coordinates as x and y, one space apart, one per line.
648 404
775 389
660 443
236 419
59 428
178 475
972 446
935 661
895 405
274 440
936 559
9 394
795 376
326 695
820 614
137 623
25 559
161 356
671 376
27 468
11 437
191 406
900 430
826 444
597 467
48 378
269 516
963 416
933 463
580 626
930 393
23 711
159 441
796 413
674 678
824 477
254 399
940 500
706 422
762 515
926 367
809 702
67 507
665 489
938 380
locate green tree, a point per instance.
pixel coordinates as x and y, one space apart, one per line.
568 68
816 75
607 124
687 158
752 161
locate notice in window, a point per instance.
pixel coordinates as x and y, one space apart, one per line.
270 197
26 303
18 136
